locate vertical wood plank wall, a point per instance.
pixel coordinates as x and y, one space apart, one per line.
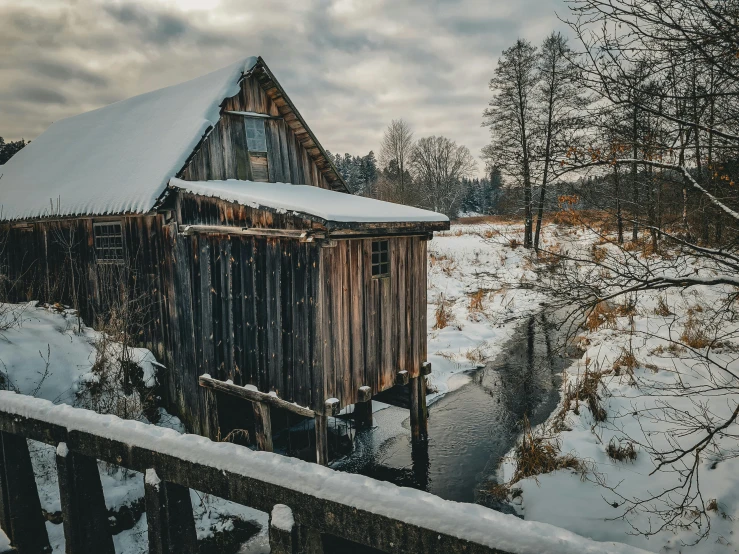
307 322
372 328
223 154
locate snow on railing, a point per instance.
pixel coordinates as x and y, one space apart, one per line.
322 501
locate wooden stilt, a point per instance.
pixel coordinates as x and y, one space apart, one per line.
169 517
363 413
282 531
321 423
20 507
83 504
419 414
263 426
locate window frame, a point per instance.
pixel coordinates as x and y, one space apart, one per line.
380 261
101 249
248 119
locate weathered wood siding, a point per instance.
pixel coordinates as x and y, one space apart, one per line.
223 154
372 328
54 261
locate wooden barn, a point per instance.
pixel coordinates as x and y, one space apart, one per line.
213 207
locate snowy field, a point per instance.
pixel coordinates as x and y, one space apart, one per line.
479 290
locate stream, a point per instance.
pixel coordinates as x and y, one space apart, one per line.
470 428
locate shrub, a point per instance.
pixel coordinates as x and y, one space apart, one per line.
602 314
621 451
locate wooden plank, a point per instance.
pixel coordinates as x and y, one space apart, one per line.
321 428
263 426
248 393
83 504
169 518
20 508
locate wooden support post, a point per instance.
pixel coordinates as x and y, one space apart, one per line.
83 504
263 426
363 407
419 414
282 531
401 378
20 508
169 517
321 423
363 413
310 541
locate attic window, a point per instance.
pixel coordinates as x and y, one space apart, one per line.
256 140
108 242
380 259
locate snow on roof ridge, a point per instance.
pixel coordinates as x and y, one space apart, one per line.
305 199
117 158
467 521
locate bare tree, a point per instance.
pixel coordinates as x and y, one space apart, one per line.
559 105
395 153
439 165
669 70
512 121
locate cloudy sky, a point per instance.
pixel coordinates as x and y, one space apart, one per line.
349 65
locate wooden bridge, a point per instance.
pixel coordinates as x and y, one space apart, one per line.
307 503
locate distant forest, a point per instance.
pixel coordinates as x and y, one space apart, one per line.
9 149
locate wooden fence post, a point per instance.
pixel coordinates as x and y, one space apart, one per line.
309 541
20 508
169 517
263 426
282 531
85 516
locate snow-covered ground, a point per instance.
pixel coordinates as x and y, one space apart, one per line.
469 268
463 262
47 354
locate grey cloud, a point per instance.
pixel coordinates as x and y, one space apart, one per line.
40 95
62 71
427 61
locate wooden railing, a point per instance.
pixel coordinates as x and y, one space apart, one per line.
306 502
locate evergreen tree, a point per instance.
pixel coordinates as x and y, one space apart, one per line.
9 149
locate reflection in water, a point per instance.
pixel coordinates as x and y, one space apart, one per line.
471 428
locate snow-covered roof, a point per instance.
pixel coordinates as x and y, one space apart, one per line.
333 208
116 159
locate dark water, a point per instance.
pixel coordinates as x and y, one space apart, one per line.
471 428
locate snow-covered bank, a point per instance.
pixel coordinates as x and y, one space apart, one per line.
46 353
468 266
655 385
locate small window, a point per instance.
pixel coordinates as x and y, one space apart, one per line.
256 140
108 242
380 259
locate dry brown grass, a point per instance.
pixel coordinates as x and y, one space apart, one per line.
621 451
443 316
626 360
602 315
477 301
695 330
445 263
598 253
662 308
585 390
536 453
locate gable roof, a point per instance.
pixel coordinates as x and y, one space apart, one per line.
333 209
119 158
